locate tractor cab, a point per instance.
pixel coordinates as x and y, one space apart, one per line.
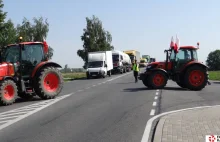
31 55
184 55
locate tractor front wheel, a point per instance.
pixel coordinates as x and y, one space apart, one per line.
196 78
49 83
8 92
157 80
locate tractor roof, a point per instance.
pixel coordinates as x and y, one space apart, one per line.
188 47
27 43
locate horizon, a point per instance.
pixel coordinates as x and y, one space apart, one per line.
145 26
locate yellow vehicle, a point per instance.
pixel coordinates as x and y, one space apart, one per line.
134 55
143 62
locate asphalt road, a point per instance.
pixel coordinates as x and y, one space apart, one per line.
111 109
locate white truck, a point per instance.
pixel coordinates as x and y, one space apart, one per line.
99 64
121 62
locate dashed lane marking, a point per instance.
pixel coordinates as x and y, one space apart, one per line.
155 97
157 93
154 103
152 112
10 117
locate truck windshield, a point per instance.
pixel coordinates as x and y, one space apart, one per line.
95 64
115 58
132 57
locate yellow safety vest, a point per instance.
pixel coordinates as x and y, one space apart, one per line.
135 67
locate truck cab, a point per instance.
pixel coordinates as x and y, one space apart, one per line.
99 64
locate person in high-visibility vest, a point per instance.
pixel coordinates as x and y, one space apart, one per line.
135 70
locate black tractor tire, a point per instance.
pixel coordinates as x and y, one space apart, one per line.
199 75
25 96
181 84
145 82
49 83
157 80
8 92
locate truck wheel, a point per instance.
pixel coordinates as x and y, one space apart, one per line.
8 92
196 78
49 83
157 80
109 73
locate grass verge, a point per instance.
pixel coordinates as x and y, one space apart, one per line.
214 75
71 76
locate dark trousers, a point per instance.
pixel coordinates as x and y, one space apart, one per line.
136 76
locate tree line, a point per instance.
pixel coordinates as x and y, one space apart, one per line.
37 30
95 38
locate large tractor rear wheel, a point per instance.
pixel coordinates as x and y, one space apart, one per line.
157 80
196 78
49 83
8 92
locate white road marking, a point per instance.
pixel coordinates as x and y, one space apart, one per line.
18 114
22 115
155 97
152 112
146 135
158 90
154 103
157 93
99 83
93 85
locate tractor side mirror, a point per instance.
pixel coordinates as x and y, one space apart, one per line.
106 65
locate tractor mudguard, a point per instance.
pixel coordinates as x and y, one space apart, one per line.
8 77
190 64
142 76
43 65
159 69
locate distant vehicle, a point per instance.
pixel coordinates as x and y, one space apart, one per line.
143 62
99 64
134 55
121 62
152 60
146 57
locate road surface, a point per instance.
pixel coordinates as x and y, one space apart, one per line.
111 109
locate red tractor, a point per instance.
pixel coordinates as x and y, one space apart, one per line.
25 71
181 66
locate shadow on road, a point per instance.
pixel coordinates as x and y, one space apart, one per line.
216 82
137 89
145 88
125 83
175 89
20 100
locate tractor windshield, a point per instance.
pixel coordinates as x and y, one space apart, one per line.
32 53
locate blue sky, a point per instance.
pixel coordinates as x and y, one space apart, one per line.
143 25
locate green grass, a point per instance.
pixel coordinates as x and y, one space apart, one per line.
214 75
71 76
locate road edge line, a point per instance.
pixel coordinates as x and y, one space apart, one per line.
53 101
146 134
